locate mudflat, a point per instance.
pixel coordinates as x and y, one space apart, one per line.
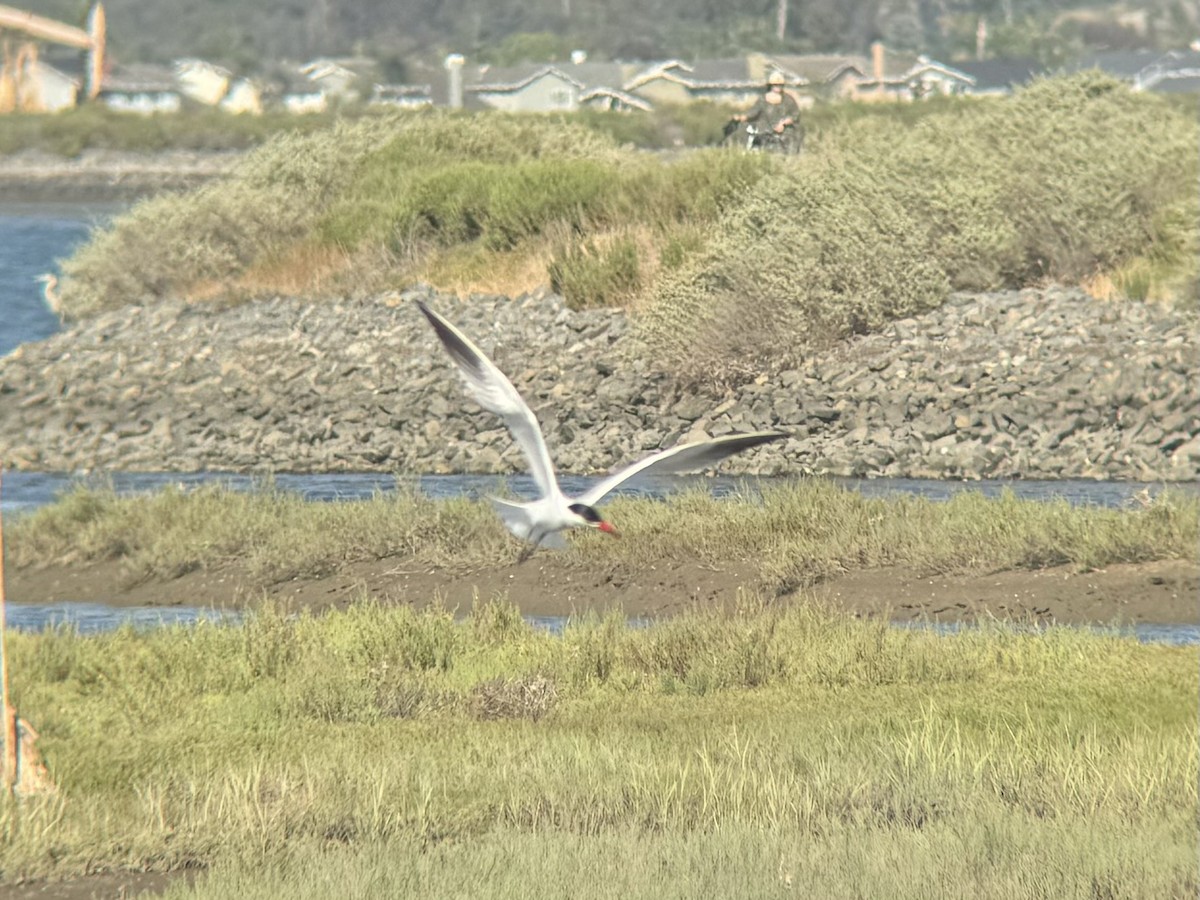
1165 592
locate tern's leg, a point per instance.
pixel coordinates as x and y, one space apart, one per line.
528 550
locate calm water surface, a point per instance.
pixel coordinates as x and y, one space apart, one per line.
26 491
33 239
95 618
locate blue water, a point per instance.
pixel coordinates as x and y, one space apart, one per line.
26 491
33 239
95 618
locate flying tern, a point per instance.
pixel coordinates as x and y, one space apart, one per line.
542 521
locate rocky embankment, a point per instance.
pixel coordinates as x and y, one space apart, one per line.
1036 384
106 176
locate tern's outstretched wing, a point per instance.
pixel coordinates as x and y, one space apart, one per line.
494 392
681 458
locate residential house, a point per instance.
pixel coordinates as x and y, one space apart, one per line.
286 89
202 81
543 88
244 97
402 96
828 76
737 81
613 100
998 77
1175 72
903 76
339 79
141 88
48 88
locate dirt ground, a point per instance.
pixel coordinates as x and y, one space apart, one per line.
1166 592
118 886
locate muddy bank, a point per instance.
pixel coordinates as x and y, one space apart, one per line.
1031 384
1160 593
106 176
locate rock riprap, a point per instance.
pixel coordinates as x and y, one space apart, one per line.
1031 384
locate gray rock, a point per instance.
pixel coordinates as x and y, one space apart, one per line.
1037 383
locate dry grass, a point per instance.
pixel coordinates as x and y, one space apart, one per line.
795 535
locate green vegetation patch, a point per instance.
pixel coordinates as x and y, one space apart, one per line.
409 185
1071 178
407 753
740 261
798 533
166 245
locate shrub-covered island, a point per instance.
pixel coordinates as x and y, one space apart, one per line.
694 280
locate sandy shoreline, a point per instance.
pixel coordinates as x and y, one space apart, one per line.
106 176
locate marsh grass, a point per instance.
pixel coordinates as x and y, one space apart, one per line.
794 534
383 751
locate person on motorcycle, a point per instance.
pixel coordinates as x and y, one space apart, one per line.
776 110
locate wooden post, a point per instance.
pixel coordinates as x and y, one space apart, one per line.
6 710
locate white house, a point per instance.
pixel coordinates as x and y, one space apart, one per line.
50 89
141 88
203 81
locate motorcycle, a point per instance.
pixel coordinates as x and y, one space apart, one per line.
752 137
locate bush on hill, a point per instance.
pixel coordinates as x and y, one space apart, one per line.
739 260
1072 178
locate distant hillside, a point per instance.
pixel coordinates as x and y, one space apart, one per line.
251 34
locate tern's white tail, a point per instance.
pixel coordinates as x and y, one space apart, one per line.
521 519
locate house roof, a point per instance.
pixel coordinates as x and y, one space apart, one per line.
631 100
1120 63
741 73
723 73
924 64
1183 81
595 74
498 79
997 74
326 68
182 65
821 68
139 78
1175 60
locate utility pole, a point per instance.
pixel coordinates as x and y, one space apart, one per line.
9 714
781 17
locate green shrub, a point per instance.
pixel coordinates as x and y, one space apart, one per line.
1071 178
498 203
813 254
588 275
168 243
